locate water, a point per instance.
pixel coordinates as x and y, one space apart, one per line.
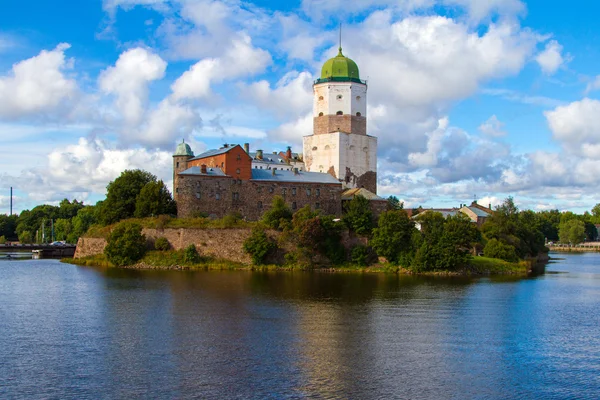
70 332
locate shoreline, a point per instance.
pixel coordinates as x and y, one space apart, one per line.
482 267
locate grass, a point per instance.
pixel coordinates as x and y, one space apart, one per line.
166 222
494 266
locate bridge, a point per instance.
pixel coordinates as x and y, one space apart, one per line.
42 250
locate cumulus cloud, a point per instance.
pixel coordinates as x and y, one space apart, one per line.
81 169
128 80
196 82
577 127
166 123
39 86
292 132
492 127
292 94
551 59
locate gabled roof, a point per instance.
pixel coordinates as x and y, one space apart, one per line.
216 152
290 176
351 193
478 211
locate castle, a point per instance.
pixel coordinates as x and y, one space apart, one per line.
339 160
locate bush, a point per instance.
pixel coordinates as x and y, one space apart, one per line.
162 244
496 249
231 220
126 244
358 215
360 255
259 246
2 239
190 255
278 211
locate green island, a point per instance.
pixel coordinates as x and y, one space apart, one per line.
135 227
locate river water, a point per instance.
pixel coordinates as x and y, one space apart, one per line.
69 332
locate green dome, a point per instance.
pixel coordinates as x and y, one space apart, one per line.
183 149
340 67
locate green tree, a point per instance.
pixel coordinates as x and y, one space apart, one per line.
122 195
394 204
86 217
358 215
62 229
392 237
154 199
571 231
279 211
8 226
596 214
126 244
496 249
259 246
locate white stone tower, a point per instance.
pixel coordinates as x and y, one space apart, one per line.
339 144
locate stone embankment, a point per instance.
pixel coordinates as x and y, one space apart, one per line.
224 244
580 248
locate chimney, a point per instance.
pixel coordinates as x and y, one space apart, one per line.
247 148
259 154
288 153
273 172
490 207
295 171
225 146
203 169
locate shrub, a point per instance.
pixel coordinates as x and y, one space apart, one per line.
360 255
162 244
126 244
231 220
496 249
358 215
190 255
2 239
259 246
278 211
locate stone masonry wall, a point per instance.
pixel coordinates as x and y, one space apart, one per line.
340 123
218 243
220 196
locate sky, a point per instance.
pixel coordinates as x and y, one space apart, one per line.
469 99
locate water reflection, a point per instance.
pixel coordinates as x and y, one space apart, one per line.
75 332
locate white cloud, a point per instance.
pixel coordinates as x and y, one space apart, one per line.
128 80
292 132
429 158
241 59
38 86
111 6
492 127
167 123
292 95
79 170
551 59
593 85
577 127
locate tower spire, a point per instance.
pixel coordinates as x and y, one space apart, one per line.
340 39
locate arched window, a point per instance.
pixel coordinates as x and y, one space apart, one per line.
327 147
358 114
314 148
320 115
237 171
339 113
320 98
339 97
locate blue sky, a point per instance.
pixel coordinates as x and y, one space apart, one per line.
467 97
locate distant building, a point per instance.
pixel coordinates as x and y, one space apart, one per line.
478 214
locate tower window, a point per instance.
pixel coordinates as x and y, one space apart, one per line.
320 98
320 115
339 113
177 164
357 97
314 148
358 114
339 97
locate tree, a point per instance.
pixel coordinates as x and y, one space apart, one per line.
126 244
86 217
596 214
278 211
496 249
259 246
571 231
190 255
122 194
8 226
394 204
392 237
154 199
358 215
62 228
